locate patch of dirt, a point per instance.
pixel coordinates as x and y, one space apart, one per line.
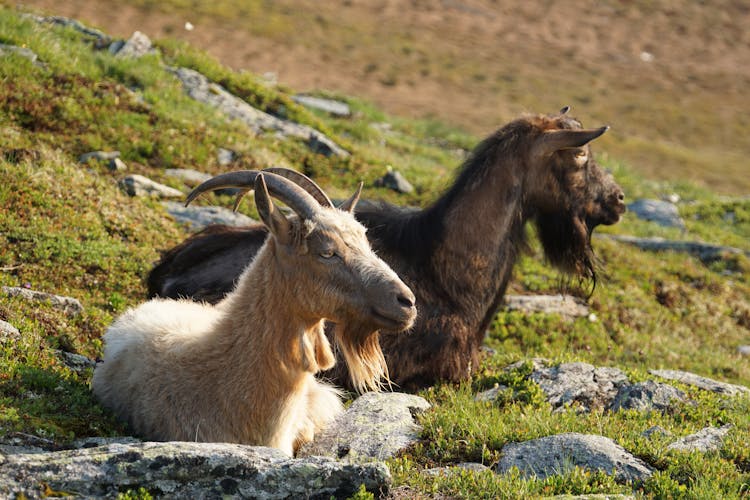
671 74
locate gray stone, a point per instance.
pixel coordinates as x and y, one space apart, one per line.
704 251
648 395
117 165
226 157
185 470
100 37
656 430
335 108
201 89
564 305
663 213
94 441
558 454
395 181
138 185
375 427
187 175
138 45
701 382
8 332
76 362
744 350
453 469
536 364
490 395
24 52
198 218
98 155
708 439
69 305
580 383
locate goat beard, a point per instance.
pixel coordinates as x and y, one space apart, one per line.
364 359
566 240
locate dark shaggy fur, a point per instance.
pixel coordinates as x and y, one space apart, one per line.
457 254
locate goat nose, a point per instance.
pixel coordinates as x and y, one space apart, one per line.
620 196
405 301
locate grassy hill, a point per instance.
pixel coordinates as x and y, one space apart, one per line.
67 228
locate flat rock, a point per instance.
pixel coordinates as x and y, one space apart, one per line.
707 252
558 454
98 155
708 439
396 181
701 382
138 185
330 106
580 383
201 89
661 212
198 218
8 332
185 470
138 45
69 305
564 305
648 395
375 427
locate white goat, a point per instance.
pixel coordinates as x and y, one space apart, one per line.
243 371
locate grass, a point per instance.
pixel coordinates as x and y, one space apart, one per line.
66 228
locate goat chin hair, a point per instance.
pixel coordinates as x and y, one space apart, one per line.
364 358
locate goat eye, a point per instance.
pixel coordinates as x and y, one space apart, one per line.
327 254
581 154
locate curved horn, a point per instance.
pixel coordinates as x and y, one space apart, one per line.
556 140
349 204
304 182
281 188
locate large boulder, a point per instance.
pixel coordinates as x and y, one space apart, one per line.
375 427
558 454
184 470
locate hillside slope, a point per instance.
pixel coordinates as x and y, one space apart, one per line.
68 228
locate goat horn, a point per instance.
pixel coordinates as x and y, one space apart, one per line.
349 204
304 182
556 140
285 190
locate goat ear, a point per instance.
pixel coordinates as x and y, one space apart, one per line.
270 214
555 140
564 110
349 204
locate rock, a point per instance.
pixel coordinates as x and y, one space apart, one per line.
226 157
138 185
395 181
69 305
116 165
201 89
335 108
101 39
558 454
704 251
656 430
138 45
76 362
701 382
536 364
94 441
98 155
580 383
24 52
646 396
185 470
375 427
564 305
198 218
708 439
744 350
8 332
470 466
490 395
187 175
663 213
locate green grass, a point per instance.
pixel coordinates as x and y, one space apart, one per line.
66 228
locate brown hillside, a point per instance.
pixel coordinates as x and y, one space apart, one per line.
670 77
